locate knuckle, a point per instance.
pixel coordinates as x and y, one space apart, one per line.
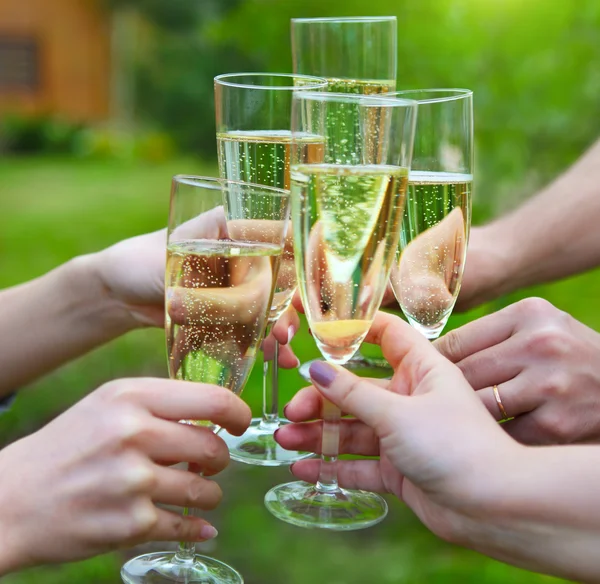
203 494
184 529
143 518
120 390
555 385
550 341
129 428
535 306
214 453
140 477
116 428
555 427
450 345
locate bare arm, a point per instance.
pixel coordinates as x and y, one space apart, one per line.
553 235
55 318
442 453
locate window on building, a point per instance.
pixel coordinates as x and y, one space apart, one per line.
19 64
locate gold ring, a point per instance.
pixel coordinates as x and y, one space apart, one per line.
503 413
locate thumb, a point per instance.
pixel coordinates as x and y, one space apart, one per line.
354 395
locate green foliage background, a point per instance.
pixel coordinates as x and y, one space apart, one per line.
535 69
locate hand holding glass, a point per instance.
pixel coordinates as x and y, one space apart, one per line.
254 141
224 245
346 218
428 272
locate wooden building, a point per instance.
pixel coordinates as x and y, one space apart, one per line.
55 58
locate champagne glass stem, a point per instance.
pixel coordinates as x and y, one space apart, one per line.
270 417
187 549
328 478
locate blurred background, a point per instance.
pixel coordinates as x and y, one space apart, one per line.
101 102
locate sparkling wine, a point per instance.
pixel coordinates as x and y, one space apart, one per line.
427 274
219 294
360 86
346 222
264 158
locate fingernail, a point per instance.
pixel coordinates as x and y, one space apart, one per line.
291 469
208 532
285 407
322 373
291 333
275 434
297 363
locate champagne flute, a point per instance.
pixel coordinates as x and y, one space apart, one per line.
356 55
224 245
346 218
428 272
254 140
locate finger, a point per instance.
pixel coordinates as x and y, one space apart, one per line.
352 474
185 489
307 404
185 443
526 430
297 302
398 339
518 396
359 397
494 365
172 526
287 357
179 400
287 326
355 438
478 335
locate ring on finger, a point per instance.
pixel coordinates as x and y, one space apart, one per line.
503 414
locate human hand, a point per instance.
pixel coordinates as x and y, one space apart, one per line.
546 367
90 481
439 450
427 275
488 267
132 274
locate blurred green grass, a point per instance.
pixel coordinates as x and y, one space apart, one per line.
54 209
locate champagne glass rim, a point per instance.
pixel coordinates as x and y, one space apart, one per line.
224 79
380 99
445 94
346 19
215 184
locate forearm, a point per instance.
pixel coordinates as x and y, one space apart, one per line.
555 234
544 514
55 318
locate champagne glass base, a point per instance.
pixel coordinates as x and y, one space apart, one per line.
165 567
303 505
432 331
257 445
359 365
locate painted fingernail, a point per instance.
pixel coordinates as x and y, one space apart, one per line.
208 532
322 373
291 333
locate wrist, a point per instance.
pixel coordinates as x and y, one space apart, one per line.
491 265
10 558
489 502
91 296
